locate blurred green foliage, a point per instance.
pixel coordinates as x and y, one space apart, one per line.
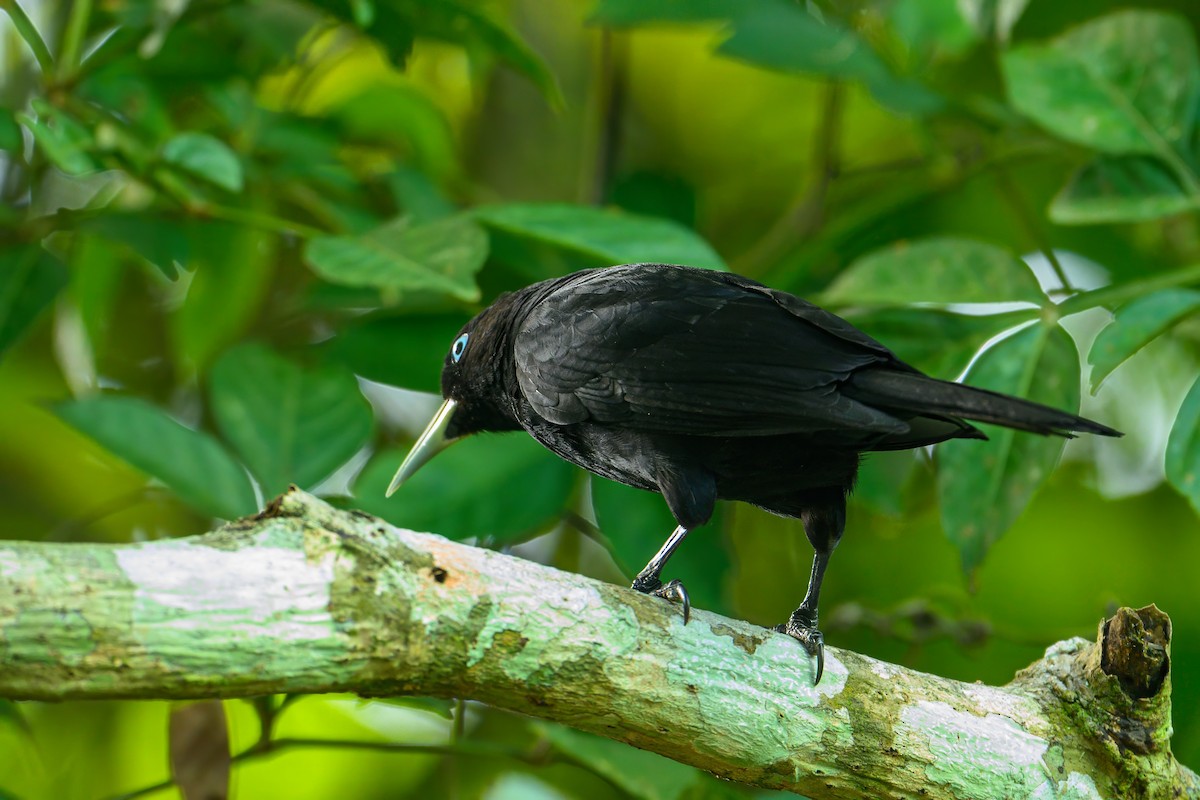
213 214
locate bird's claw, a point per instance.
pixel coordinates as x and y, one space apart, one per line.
812 640
673 590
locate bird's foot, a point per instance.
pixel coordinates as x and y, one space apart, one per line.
807 634
672 590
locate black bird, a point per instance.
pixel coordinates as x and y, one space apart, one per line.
705 385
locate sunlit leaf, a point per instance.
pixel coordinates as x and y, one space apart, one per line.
1124 83
939 26
936 270
612 237
442 256
1121 189
637 522
406 351
289 424
984 486
644 775
1183 448
205 157
30 279
189 462
936 341
502 487
1135 325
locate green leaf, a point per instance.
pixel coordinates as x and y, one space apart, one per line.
189 462
158 240
1183 448
637 522
290 425
644 775
1121 189
11 138
626 13
936 270
501 40
939 26
205 157
403 351
882 481
234 269
984 486
784 36
938 342
1124 83
30 279
65 143
1135 325
440 256
611 237
502 487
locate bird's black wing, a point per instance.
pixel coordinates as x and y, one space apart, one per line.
680 350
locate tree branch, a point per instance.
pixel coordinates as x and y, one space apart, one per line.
306 598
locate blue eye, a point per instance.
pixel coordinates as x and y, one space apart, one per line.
460 346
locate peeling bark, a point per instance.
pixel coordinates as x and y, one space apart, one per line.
305 598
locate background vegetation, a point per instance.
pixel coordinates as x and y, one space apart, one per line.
225 224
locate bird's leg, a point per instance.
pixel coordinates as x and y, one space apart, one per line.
824 527
649 580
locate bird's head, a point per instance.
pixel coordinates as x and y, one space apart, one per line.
477 394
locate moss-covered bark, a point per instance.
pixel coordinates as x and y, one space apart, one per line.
305 598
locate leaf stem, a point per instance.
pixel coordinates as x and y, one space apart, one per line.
1119 293
73 36
29 32
1030 224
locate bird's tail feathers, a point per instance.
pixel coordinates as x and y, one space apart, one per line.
914 392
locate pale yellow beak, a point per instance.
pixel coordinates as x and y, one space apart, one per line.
432 442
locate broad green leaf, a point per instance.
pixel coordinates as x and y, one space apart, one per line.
1121 189
1183 448
403 117
883 479
289 424
612 237
405 351
625 13
30 279
644 775
938 26
11 138
205 157
65 143
1135 325
500 487
439 256
234 268
938 342
501 40
993 18
1124 83
784 36
936 270
189 462
161 241
984 486
637 522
